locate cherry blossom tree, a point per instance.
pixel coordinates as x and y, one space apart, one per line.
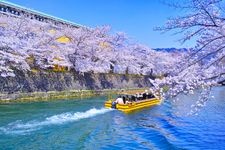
204 66
27 44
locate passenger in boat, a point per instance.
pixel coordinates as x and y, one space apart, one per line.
137 95
141 96
133 98
119 100
147 95
136 99
127 98
151 96
124 100
144 96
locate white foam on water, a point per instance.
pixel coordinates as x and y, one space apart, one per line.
18 127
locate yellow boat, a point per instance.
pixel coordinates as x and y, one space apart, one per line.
133 101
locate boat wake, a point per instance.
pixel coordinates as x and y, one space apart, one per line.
19 127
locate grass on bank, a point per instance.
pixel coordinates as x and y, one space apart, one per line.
57 95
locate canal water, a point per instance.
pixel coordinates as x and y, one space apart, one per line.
86 124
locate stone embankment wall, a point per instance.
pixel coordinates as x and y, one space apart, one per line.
43 84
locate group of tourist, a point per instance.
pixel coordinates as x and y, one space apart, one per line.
124 99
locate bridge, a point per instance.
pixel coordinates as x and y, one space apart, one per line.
12 9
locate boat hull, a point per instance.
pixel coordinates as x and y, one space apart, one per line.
132 106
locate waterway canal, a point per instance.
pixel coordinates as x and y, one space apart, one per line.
86 124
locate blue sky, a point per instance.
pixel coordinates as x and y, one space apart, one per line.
137 18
